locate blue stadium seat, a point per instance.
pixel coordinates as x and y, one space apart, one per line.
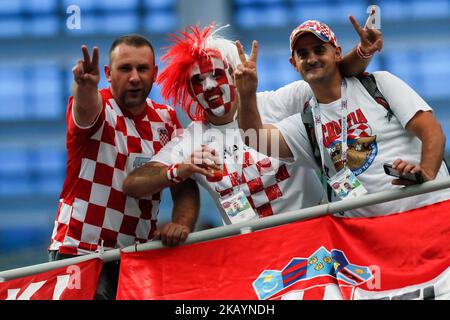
85 5
159 4
11 7
257 2
47 25
38 6
161 21
119 23
275 71
11 27
430 9
394 10
308 10
247 18
117 4
12 94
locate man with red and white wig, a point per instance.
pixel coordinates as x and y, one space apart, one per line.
199 78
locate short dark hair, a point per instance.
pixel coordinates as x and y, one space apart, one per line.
134 40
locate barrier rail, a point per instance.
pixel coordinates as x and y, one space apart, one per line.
229 230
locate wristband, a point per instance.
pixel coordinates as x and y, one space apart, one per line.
361 54
172 173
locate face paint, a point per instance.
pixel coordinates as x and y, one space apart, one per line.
212 86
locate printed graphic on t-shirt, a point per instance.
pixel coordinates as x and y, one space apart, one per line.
362 145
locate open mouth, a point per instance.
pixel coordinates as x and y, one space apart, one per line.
213 98
213 95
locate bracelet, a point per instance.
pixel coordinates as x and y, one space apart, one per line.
361 53
172 173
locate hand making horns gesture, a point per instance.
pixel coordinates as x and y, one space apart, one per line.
245 76
86 72
370 38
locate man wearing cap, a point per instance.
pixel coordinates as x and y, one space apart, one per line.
350 133
277 105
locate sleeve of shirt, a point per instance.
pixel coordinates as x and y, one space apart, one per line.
274 106
174 118
403 100
175 151
294 133
74 129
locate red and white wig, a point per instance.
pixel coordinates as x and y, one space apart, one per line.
189 49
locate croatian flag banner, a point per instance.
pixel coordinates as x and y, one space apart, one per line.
400 256
74 282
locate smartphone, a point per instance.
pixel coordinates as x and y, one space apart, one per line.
414 177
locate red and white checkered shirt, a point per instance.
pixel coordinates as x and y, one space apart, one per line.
271 185
92 206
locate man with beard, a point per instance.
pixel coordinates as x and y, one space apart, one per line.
110 132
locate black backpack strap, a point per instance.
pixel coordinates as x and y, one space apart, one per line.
370 84
308 122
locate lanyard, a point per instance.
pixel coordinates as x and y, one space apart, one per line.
318 125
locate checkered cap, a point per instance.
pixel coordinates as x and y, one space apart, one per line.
319 29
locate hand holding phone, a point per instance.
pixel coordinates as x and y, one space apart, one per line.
413 177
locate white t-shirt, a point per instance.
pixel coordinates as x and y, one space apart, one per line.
277 105
270 185
372 140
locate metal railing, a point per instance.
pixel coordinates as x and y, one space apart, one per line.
229 230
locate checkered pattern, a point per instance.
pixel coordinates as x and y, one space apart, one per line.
320 30
360 130
257 181
93 207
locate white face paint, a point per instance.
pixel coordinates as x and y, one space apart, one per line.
218 112
212 86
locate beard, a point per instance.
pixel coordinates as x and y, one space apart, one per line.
129 99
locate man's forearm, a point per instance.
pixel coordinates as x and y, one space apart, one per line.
85 98
353 65
146 180
248 115
186 203
250 121
432 153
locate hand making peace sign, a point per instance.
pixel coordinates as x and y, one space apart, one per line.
86 72
370 38
245 76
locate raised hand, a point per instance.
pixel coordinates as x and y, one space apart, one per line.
86 72
371 39
245 76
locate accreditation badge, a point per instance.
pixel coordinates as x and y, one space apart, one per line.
237 207
346 185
